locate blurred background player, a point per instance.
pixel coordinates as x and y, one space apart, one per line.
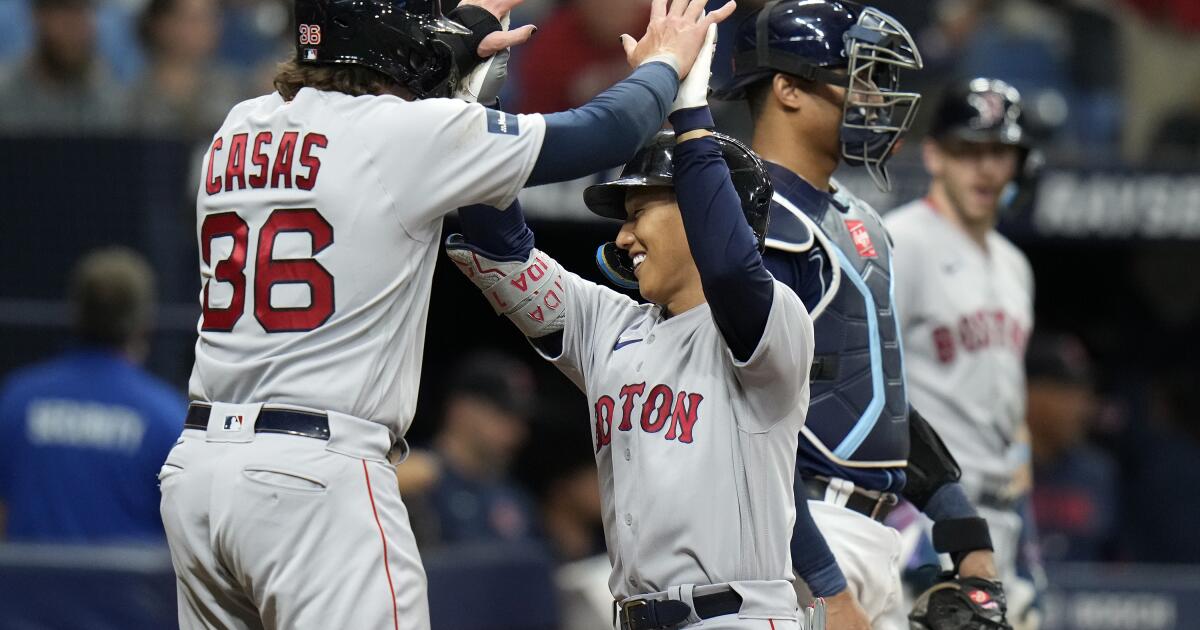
814 106
82 436
462 491
1075 492
965 298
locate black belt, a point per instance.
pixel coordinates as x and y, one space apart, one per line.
649 614
291 422
873 505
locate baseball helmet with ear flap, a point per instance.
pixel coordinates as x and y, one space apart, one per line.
653 166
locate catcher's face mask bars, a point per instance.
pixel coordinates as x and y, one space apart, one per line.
875 113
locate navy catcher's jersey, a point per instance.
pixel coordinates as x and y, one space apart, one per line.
834 251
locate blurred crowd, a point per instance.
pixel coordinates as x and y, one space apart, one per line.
1118 79
503 458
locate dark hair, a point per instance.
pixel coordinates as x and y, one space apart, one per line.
345 78
112 296
155 10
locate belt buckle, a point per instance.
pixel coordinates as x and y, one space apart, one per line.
885 498
626 624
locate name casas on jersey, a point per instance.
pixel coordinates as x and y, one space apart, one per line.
284 160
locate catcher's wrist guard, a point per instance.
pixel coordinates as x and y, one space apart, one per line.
528 291
961 604
960 536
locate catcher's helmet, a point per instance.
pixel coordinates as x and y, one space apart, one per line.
652 166
983 110
840 43
400 38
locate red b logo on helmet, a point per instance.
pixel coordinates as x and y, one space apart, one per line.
310 34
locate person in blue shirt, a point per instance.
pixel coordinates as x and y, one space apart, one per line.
82 436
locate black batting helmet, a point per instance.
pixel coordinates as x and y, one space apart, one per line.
983 110
403 39
653 166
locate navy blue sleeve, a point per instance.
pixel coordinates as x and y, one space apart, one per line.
811 556
737 287
807 273
949 502
502 234
609 129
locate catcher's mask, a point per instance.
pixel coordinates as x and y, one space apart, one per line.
653 166
410 41
839 43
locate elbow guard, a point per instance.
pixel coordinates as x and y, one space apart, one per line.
527 291
930 464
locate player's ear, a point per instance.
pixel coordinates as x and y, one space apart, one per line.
932 155
787 91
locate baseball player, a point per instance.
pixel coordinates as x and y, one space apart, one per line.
965 295
318 217
822 81
694 398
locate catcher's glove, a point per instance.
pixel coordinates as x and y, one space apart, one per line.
961 604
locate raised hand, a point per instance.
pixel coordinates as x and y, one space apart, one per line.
675 34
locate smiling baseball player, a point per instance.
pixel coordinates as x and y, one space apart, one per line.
696 399
318 219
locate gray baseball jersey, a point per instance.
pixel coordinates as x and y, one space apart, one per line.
318 221
965 316
696 450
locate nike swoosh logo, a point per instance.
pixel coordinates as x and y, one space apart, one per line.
622 344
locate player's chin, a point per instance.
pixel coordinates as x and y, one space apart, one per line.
649 289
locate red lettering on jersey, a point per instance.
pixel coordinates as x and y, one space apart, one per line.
604 415
683 416
629 394
861 238
547 300
659 399
259 158
235 167
283 160
537 315
943 340
213 185
536 272
312 162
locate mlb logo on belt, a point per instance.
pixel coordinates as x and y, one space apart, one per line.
861 238
234 423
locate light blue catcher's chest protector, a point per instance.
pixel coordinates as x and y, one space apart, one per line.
858 413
